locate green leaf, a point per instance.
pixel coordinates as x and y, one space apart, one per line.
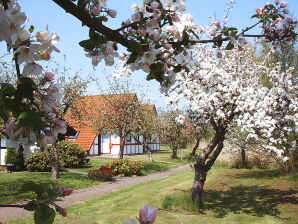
134 46
25 88
230 46
88 44
31 29
132 58
150 76
44 215
255 16
31 206
7 89
29 119
30 186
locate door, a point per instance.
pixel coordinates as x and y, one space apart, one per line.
105 144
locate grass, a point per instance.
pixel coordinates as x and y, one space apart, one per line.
232 196
162 161
11 183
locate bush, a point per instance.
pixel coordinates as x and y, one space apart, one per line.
16 158
38 162
102 174
126 167
71 155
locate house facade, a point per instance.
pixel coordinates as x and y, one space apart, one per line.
100 143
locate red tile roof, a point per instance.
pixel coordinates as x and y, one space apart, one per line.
88 105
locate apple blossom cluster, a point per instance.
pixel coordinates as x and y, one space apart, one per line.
278 26
36 120
160 37
147 215
228 90
98 8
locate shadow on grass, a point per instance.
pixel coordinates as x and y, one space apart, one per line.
152 167
268 174
252 200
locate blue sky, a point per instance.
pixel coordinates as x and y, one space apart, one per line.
45 12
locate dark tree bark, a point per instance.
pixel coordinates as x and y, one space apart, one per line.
243 158
54 161
196 146
122 144
146 147
174 154
204 163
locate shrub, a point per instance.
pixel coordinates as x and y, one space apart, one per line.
102 174
71 155
16 158
126 167
38 162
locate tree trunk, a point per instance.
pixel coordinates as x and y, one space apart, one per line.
121 151
199 181
174 155
54 162
243 158
196 146
203 164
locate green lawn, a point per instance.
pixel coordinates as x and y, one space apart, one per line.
162 161
232 196
10 183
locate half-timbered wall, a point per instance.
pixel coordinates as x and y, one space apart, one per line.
110 144
3 151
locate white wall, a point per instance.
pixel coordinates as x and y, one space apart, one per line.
3 154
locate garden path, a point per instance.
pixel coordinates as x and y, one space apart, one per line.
81 195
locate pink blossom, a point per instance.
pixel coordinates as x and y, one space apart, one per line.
63 212
112 13
67 191
154 5
277 2
267 4
32 68
283 4
48 77
46 140
286 11
95 10
51 115
136 17
147 214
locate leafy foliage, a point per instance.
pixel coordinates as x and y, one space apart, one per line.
71 154
16 158
126 167
38 162
104 173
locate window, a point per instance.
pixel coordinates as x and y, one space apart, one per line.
74 136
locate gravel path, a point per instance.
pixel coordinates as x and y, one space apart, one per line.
80 195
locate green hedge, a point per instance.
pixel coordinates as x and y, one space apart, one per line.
126 167
38 162
70 155
16 158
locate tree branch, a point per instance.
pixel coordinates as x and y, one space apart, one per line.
92 23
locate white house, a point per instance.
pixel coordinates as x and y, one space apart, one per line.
98 144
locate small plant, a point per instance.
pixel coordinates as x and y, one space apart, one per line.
38 162
15 158
46 195
147 215
104 173
126 167
71 155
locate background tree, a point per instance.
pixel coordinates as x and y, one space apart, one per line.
173 130
147 126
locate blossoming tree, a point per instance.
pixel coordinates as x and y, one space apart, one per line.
162 41
227 90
